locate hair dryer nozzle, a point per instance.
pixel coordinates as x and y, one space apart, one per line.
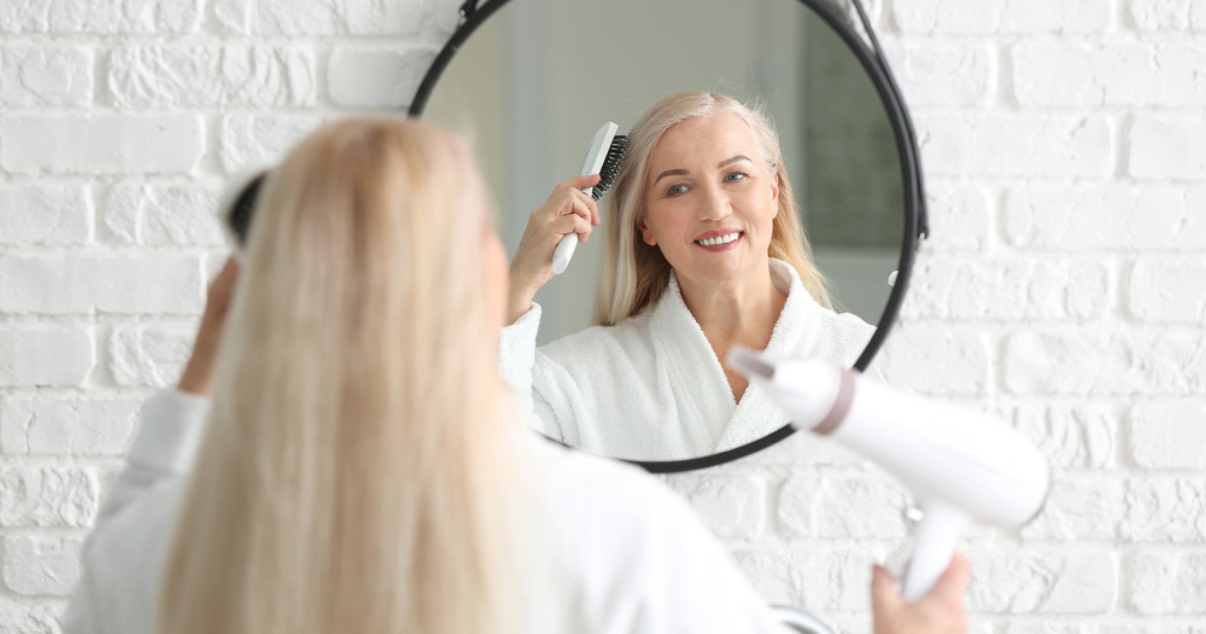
749 363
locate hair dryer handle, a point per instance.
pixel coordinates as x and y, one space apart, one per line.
933 545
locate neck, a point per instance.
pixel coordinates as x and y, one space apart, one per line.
741 311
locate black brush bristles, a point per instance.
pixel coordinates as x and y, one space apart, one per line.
611 166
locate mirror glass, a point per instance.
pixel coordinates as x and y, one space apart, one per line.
531 86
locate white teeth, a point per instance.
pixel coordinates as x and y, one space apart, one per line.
725 239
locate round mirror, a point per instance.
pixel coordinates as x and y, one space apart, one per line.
532 86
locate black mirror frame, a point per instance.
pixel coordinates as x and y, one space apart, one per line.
916 222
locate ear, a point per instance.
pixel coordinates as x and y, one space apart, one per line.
775 193
646 234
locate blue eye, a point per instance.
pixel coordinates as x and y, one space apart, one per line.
736 176
677 189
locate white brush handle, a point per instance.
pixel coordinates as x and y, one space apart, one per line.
564 252
595 155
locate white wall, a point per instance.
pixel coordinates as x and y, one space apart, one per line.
1065 284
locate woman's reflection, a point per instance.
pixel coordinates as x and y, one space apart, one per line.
705 250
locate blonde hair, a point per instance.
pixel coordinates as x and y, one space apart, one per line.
357 474
635 274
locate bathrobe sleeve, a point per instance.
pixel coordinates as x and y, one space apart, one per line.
163 451
519 361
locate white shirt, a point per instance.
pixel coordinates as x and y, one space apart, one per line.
629 555
651 387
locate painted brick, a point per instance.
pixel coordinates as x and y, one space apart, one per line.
943 74
1168 434
1023 145
50 356
161 215
160 76
20 617
731 506
149 355
962 287
1167 582
102 144
45 215
376 76
1082 436
1073 580
866 505
48 497
804 449
101 16
1168 291
252 141
1080 508
1130 75
1168 146
73 426
1004 16
45 76
1165 510
935 360
1047 627
1115 216
41 565
960 217
75 284
1098 363
816 579
326 17
1169 15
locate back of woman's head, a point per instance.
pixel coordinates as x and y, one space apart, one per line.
356 473
635 273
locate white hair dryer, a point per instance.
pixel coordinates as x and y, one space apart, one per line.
961 464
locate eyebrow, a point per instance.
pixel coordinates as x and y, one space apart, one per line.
683 172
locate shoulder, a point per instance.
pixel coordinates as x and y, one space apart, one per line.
617 498
639 557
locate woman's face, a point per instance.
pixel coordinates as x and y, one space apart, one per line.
709 200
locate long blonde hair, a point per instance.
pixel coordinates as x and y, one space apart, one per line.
356 475
635 274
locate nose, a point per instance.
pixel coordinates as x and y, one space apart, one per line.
714 204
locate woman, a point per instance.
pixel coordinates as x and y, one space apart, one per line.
360 468
705 251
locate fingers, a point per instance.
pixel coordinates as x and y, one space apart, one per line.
885 597
953 582
572 224
581 182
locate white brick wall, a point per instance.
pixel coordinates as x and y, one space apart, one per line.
1064 285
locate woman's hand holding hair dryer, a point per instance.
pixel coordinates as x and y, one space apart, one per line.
939 612
567 210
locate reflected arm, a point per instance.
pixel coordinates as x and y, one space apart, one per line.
517 359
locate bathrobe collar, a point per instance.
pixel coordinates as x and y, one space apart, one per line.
678 334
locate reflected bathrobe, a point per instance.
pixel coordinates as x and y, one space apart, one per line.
625 554
651 387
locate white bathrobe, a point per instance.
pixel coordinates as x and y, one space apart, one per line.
627 555
651 387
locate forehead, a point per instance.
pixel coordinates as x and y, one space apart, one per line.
703 140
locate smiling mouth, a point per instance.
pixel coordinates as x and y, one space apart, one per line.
719 240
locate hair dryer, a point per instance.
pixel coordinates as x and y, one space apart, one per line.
960 464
